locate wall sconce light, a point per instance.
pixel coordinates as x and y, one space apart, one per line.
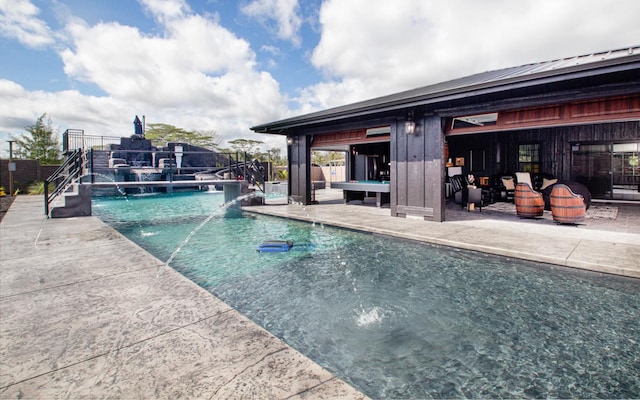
289 140
410 124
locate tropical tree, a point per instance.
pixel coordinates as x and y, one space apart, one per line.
212 141
324 157
39 143
248 146
274 155
161 134
225 150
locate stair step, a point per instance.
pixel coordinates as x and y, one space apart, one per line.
77 203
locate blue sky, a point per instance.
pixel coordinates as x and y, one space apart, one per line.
289 66
224 66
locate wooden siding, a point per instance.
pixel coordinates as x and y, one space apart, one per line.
348 137
555 145
625 108
417 170
535 115
611 107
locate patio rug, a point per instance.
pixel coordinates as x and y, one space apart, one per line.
602 212
594 212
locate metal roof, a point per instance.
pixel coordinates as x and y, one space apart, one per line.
485 82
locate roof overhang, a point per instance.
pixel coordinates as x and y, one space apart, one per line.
530 79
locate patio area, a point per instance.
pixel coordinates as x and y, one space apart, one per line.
604 216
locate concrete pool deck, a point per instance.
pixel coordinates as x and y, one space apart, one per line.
86 313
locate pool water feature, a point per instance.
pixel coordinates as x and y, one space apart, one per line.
400 319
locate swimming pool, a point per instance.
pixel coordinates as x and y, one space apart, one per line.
399 319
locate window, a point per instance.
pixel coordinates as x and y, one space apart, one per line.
474 121
529 157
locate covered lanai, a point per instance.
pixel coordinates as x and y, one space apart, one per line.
575 119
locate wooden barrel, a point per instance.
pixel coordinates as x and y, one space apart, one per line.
529 204
566 206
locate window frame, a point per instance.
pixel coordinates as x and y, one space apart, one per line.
534 162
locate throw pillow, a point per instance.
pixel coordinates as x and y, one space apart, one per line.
547 182
508 184
524 177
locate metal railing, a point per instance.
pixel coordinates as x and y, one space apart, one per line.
173 163
183 162
255 173
73 139
67 173
170 165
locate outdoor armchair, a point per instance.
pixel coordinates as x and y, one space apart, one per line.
567 207
529 203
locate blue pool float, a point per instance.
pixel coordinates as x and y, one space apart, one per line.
275 246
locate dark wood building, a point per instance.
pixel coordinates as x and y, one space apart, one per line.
575 119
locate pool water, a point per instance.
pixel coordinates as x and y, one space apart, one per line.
400 319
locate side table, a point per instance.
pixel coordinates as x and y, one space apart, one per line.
472 196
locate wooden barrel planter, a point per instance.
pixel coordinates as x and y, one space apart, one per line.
566 206
529 203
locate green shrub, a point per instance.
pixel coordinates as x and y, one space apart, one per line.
37 187
283 174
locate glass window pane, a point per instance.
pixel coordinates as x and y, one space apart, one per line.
625 147
529 157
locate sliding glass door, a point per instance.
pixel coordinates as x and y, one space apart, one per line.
625 171
609 170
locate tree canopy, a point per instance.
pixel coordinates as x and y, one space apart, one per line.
247 145
39 143
325 157
161 134
274 155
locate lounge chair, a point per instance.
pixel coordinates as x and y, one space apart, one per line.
567 207
529 203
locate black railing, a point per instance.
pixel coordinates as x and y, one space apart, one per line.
238 164
185 162
176 161
73 139
170 165
69 171
255 174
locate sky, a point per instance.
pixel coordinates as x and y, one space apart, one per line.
224 66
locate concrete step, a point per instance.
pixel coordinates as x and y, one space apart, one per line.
77 203
100 159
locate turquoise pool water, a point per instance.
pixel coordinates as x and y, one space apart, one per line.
399 319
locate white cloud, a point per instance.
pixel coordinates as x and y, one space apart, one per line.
404 44
284 13
197 75
271 50
107 116
166 10
188 64
18 20
19 107
331 93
